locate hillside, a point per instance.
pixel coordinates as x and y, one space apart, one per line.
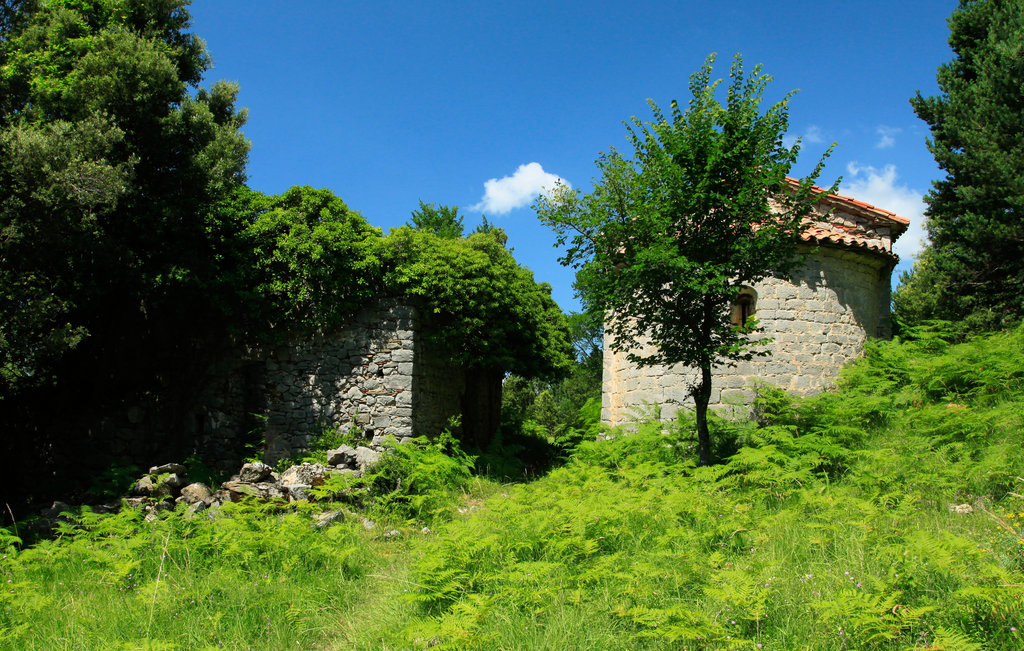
885 515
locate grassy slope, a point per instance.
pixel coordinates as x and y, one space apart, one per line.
831 528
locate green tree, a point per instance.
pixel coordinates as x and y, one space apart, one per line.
111 159
667 239
973 270
443 221
484 310
314 261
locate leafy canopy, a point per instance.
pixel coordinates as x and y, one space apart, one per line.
484 309
973 269
443 221
668 238
107 165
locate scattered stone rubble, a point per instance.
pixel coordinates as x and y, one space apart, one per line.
167 485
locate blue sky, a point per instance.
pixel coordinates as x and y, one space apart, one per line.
478 104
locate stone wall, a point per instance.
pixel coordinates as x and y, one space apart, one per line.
818 321
377 375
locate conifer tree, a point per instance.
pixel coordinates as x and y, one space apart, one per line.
973 270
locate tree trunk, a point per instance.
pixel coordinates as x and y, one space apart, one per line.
701 398
702 392
481 406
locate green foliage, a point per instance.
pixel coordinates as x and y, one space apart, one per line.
443 221
316 450
108 165
185 582
111 161
667 239
114 482
419 479
314 259
564 411
829 528
973 270
485 310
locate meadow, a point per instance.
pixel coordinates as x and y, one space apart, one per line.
887 514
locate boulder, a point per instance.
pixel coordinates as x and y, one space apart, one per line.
171 482
240 490
255 472
309 474
197 493
298 492
342 456
366 457
56 510
327 518
144 487
173 468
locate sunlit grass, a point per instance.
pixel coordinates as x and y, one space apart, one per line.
886 516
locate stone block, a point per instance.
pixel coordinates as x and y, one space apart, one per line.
402 355
398 382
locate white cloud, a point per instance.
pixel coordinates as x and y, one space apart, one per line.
504 195
886 136
881 189
811 135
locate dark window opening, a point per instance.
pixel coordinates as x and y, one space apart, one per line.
744 307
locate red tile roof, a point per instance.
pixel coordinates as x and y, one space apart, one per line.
834 231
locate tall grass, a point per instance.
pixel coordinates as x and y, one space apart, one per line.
830 527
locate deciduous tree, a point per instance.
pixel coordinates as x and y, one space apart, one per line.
667 238
111 158
484 311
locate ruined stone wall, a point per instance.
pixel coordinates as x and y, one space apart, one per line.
376 376
818 321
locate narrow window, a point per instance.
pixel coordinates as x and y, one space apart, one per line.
744 307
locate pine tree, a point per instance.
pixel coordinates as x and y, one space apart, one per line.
974 269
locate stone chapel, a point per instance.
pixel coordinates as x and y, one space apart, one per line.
817 321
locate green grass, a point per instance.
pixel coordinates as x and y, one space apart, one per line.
830 528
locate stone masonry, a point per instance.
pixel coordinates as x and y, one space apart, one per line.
376 376
817 321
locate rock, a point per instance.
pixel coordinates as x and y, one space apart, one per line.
198 507
342 456
171 482
298 492
197 493
369 524
962 509
327 518
163 505
135 502
164 485
144 487
240 490
308 474
366 457
394 533
254 472
173 468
